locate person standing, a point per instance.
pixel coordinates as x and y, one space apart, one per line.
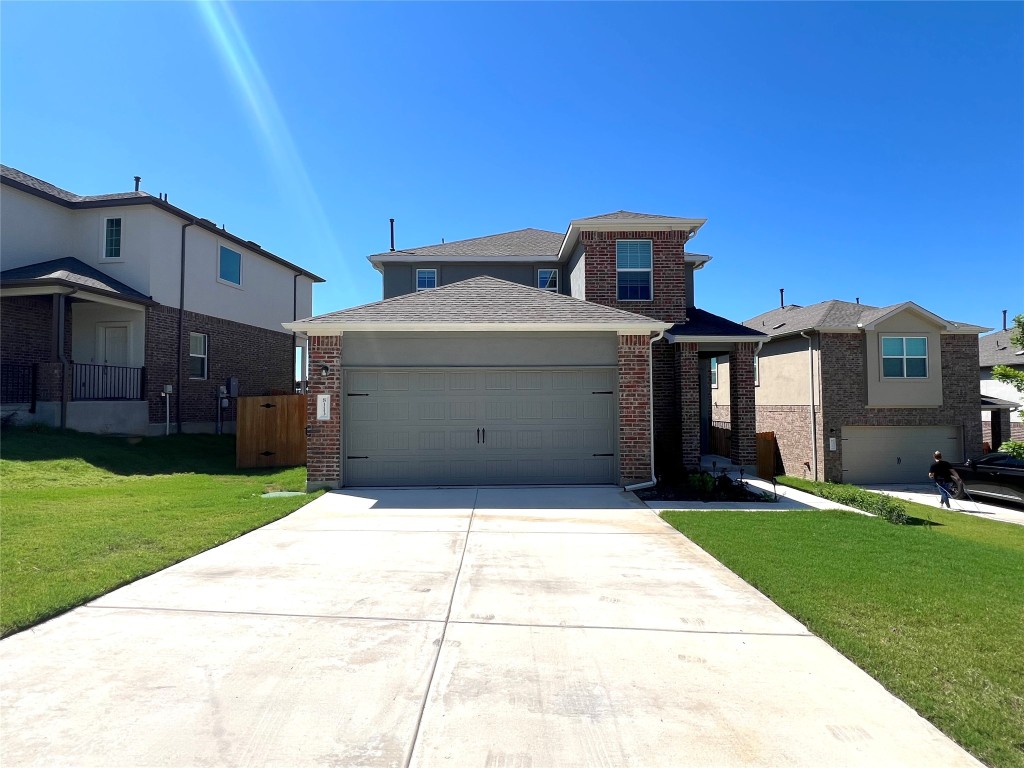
942 473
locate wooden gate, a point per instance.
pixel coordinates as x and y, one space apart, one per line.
766 455
271 431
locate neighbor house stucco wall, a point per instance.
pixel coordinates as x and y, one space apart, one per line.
904 392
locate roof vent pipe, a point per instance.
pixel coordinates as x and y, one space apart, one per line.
858 299
1004 319
138 180
392 234
782 297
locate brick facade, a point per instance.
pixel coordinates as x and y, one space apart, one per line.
263 360
634 358
26 337
669 300
666 408
688 368
741 404
1011 430
323 438
792 427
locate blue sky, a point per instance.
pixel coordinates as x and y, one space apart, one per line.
871 150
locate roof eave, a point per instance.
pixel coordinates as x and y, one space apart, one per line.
75 289
336 328
399 257
668 224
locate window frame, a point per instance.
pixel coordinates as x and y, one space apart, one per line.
649 270
425 270
205 357
714 373
220 271
104 237
553 271
757 370
903 358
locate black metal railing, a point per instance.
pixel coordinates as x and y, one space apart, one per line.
17 383
107 382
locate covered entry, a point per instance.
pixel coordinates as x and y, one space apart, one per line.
896 454
479 426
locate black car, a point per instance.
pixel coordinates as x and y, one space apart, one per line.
998 475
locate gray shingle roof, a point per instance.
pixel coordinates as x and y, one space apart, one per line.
829 315
485 300
538 243
996 349
626 215
49 189
72 273
700 322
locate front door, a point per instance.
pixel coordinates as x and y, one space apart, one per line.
113 355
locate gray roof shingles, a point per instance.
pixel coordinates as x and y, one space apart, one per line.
617 215
538 243
824 315
73 273
997 349
484 300
700 322
45 187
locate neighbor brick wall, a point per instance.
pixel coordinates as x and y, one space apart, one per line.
26 337
1012 430
669 273
688 374
792 427
741 404
263 360
844 394
634 409
323 438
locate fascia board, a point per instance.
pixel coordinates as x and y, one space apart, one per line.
625 225
673 339
376 326
410 258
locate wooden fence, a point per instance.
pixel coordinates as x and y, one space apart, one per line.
271 431
721 438
766 451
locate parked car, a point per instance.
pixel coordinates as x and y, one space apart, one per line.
998 475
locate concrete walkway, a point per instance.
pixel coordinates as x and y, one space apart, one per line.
977 506
541 628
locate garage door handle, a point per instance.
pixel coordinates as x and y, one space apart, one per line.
357 457
608 392
478 435
604 454
358 394
484 433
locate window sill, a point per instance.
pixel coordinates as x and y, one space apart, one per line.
228 283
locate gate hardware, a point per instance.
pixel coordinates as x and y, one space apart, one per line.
268 405
268 453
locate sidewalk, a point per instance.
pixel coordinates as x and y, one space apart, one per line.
927 493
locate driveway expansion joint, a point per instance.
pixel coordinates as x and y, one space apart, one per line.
724 632
157 609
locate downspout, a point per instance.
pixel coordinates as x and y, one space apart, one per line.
181 325
650 402
814 418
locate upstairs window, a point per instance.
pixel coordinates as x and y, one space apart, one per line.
547 279
198 356
905 357
229 268
633 270
112 239
426 279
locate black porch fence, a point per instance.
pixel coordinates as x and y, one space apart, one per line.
107 382
18 383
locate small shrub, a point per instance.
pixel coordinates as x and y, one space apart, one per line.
886 507
1013 447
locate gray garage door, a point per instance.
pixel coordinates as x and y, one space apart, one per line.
459 426
896 454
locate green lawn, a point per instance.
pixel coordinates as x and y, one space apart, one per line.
83 514
935 613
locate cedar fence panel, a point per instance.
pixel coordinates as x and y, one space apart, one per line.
271 431
721 438
766 455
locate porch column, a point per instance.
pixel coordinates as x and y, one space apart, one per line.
323 436
741 403
688 367
634 358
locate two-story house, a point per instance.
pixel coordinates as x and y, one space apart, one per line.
122 313
863 394
1001 403
527 357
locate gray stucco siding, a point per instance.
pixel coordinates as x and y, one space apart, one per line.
480 349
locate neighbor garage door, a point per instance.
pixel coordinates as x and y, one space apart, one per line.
896 454
459 426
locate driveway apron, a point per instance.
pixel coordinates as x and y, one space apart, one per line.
498 627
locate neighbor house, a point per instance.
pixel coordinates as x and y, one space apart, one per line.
110 300
864 394
1001 403
526 357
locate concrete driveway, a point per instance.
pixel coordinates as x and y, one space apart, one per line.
535 628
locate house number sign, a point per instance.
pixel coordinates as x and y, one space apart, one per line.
323 407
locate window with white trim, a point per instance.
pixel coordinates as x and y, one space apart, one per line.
198 356
714 373
426 279
547 279
112 238
633 270
229 267
905 357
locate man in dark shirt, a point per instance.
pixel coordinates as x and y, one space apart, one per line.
942 473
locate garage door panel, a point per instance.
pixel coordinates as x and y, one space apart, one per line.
476 427
895 454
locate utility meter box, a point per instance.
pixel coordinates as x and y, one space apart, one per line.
233 386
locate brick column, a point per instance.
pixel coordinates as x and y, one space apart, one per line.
634 409
688 366
323 442
741 403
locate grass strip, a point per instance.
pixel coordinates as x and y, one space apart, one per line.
82 514
935 613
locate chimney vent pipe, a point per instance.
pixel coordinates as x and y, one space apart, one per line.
392 234
782 297
1004 319
138 180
